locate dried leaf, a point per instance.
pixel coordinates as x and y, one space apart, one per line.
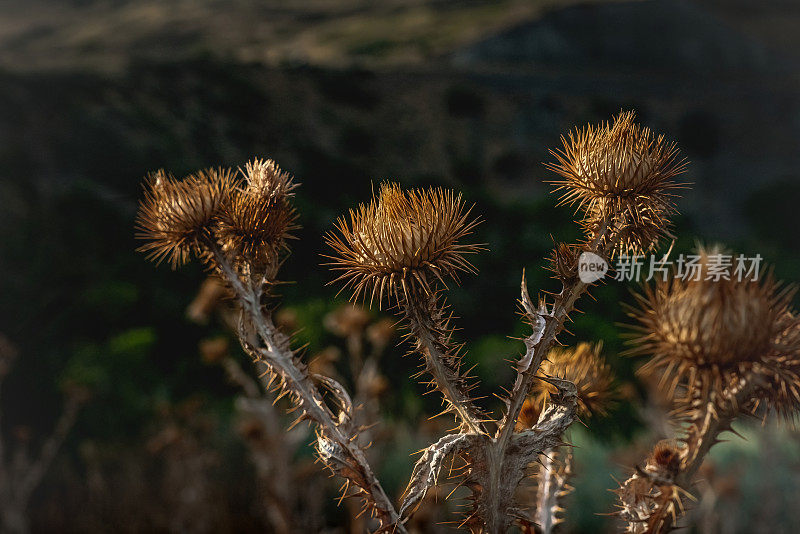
426 471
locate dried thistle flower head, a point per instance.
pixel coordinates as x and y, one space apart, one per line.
176 216
401 241
623 176
585 367
258 218
703 334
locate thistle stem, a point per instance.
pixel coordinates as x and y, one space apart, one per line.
554 324
425 317
280 358
705 427
552 486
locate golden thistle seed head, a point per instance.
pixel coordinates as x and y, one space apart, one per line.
623 178
175 217
401 241
258 217
702 334
585 367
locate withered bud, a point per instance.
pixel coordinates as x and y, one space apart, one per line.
585 367
252 429
563 262
175 217
401 242
22 433
76 392
665 460
622 177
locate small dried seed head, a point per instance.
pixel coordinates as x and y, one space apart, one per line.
622 176
704 334
401 241
176 217
665 460
258 218
583 366
563 262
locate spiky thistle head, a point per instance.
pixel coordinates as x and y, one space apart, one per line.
622 177
402 241
258 217
176 216
705 334
584 366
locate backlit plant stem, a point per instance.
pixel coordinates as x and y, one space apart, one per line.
278 356
426 325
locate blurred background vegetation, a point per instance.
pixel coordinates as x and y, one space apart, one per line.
469 94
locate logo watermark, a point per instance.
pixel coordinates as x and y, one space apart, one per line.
591 267
690 267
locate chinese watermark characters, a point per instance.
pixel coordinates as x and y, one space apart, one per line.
715 267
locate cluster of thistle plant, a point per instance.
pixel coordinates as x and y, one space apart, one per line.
719 349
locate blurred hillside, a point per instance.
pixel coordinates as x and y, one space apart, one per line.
106 34
719 77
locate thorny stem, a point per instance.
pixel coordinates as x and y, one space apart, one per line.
279 357
536 352
704 430
554 323
427 327
551 486
711 419
545 494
